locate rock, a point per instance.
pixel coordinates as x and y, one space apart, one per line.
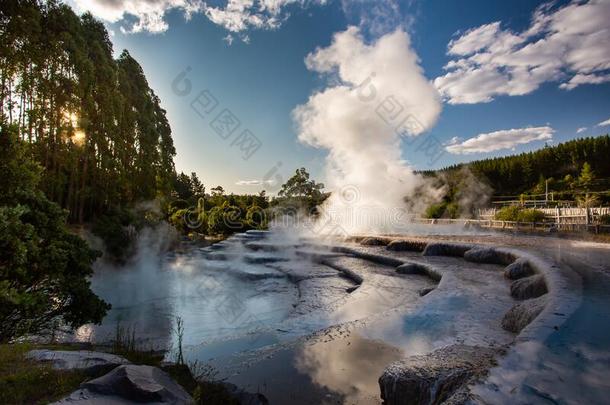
528 287
411 268
244 397
416 268
488 255
406 245
518 269
445 249
373 242
523 313
435 378
425 291
139 384
91 362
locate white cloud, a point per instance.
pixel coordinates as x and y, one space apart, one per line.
504 139
581 130
235 16
254 182
604 123
567 44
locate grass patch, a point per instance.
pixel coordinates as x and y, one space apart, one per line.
24 381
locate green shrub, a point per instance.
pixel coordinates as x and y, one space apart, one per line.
509 213
518 214
436 210
225 220
113 229
256 217
531 215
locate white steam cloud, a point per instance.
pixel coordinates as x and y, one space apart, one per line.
377 92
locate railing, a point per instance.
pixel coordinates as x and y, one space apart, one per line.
515 225
559 215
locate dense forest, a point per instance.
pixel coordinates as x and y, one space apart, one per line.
562 164
92 122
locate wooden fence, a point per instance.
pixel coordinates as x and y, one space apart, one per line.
559 216
525 226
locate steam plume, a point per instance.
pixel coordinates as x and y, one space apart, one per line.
376 93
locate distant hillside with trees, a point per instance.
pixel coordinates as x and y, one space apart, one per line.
576 171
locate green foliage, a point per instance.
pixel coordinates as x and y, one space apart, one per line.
256 217
225 220
531 215
586 175
588 201
93 123
44 268
604 219
585 159
436 210
112 227
518 214
24 381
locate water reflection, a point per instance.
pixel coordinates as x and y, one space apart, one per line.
349 367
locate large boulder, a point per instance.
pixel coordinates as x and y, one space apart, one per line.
438 377
406 245
91 362
139 384
528 287
518 269
523 313
489 255
445 249
373 242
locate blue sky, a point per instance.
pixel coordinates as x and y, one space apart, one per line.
261 77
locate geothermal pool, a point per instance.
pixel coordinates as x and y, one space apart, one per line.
314 321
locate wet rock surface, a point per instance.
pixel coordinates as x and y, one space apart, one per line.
130 384
89 361
141 384
405 245
518 269
489 255
438 377
528 287
523 313
373 242
445 249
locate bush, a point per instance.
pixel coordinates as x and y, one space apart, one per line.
510 213
225 220
436 210
44 269
518 214
531 215
256 217
113 229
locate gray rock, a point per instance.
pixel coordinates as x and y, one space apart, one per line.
523 313
139 384
89 361
445 249
426 291
373 242
528 287
411 268
489 255
416 268
406 245
518 269
438 377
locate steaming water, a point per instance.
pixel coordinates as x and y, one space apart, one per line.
265 312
